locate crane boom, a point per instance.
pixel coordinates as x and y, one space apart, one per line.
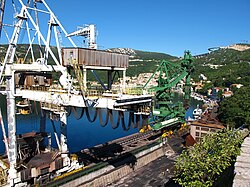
169 75
87 32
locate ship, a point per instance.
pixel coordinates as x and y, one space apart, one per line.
197 113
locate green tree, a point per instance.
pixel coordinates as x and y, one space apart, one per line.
205 88
200 165
235 110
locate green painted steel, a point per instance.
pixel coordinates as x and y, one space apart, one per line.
169 75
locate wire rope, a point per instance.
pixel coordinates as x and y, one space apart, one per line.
138 119
69 111
114 126
106 119
123 121
35 107
144 121
132 117
88 115
76 113
41 113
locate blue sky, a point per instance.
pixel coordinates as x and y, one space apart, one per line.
169 26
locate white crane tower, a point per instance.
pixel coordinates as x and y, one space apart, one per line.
89 32
27 20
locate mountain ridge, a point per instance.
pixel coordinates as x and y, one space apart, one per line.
230 63
139 54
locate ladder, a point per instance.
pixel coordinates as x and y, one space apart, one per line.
79 77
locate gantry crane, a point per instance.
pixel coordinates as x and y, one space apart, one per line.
26 80
165 113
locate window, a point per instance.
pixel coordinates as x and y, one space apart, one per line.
197 134
44 170
197 128
204 129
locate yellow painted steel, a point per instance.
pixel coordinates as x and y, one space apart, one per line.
145 128
167 134
24 111
70 173
79 76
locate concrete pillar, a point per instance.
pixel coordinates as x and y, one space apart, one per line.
43 121
109 79
85 78
42 124
49 141
124 80
11 119
63 138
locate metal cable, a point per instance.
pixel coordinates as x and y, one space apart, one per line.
88 116
123 121
114 126
76 113
69 111
42 114
132 117
35 107
138 119
144 121
100 117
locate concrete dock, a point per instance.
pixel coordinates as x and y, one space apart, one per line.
158 172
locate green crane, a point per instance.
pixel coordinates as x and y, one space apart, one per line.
169 74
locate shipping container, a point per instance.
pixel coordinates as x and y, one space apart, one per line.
90 57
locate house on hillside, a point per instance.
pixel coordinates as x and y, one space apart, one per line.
199 129
217 89
197 86
227 94
209 91
236 85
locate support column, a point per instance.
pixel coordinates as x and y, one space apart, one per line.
11 119
43 121
42 124
110 80
49 142
63 138
85 78
124 80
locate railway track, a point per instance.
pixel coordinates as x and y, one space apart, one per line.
120 146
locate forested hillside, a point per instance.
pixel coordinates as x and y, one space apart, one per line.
224 67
